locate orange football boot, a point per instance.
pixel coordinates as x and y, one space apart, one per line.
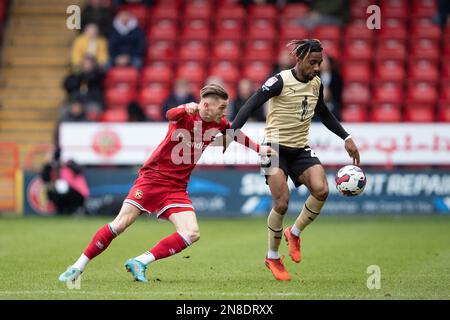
294 245
277 268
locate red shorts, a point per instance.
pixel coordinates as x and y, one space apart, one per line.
152 197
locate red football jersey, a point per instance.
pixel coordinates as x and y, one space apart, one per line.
175 158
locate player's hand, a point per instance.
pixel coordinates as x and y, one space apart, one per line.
191 107
352 150
222 141
267 151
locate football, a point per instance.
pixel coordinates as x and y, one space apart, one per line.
350 180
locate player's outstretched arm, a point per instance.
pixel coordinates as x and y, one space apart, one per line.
272 87
352 150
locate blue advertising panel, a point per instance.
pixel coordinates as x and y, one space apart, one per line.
231 192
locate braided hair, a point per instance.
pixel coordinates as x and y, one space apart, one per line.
302 48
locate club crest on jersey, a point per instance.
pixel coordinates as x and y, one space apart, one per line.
138 194
315 91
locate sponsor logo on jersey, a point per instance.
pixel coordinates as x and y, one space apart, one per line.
269 82
138 194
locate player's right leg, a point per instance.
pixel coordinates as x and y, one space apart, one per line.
101 240
280 197
187 232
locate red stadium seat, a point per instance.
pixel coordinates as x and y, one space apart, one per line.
197 29
357 50
293 10
114 115
358 9
327 32
259 50
356 72
444 114
121 76
422 93
264 11
423 71
445 71
261 30
228 71
424 8
419 114
199 9
430 32
119 97
390 50
394 9
389 70
156 73
354 113
424 49
257 71
154 94
231 12
331 48
165 29
166 11
193 50
446 49
153 112
387 92
228 29
356 93
445 91
226 50
392 29
358 31
161 50
289 32
385 113
192 71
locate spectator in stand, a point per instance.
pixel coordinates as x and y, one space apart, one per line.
86 85
98 12
89 43
182 93
325 12
332 85
75 111
244 92
65 184
126 41
284 62
442 17
135 112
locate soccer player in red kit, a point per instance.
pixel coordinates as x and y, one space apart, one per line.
162 182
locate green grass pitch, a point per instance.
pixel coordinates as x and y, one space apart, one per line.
413 254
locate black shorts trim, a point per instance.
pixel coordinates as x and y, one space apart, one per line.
294 161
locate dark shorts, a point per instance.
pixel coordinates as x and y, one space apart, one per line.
293 161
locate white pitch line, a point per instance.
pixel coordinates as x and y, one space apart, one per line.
199 293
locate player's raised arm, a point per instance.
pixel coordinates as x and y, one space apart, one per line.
330 121
272 87
176 114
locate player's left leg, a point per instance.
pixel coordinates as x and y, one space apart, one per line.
314 178
187 232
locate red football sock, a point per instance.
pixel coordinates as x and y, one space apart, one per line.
99 242
168 246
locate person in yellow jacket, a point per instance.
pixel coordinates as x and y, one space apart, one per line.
92 44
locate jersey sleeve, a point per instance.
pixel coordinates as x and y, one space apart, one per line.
271 88
176 114
328 118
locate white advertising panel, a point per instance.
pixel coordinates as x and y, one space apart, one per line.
379 144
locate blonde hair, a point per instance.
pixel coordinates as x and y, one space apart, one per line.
213 89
